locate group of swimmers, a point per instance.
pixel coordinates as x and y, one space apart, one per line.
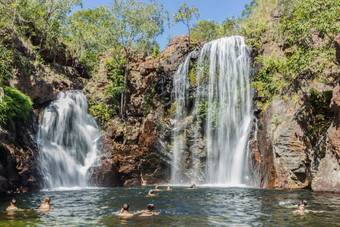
124 212
150 211
44 207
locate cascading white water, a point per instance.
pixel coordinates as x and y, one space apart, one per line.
68 140
222 101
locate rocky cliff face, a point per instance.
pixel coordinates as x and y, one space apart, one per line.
136 148
298 138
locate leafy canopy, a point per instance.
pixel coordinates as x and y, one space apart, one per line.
186 14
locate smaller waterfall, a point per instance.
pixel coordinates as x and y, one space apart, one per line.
68 140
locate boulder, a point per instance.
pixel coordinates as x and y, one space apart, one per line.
105 175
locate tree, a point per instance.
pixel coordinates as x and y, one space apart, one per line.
123 28
45 18
205 31
185 14
135 26
230 26
89 33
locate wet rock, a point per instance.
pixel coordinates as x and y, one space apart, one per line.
105 175
280 153
328 176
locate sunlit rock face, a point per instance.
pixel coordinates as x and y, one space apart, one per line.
137 148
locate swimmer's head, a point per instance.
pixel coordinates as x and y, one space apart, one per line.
156 187
14 202
151 192
126 206
47 200
301 206
304 202
151 207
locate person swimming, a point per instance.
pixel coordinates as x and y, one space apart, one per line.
150 211
13 206
151 193
169 188
301 209
193 186
157 188
125 211
46 205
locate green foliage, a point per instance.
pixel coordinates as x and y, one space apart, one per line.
186 14
249 9
148 104
101 112
305 32
155 52
204 31
319 115
14 106
6 62
192 73
207 111
116 88
43 20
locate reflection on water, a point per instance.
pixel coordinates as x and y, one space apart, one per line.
202 206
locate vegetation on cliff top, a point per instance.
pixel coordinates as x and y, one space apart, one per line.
291 40
299 35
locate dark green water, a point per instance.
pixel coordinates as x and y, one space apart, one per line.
180 207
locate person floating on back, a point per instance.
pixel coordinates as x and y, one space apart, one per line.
46 205
125 211
149 212
13 206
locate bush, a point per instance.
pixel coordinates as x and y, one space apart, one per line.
14 106
6 58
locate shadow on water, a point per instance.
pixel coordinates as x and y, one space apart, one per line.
206 206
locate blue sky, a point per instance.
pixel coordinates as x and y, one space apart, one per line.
217 10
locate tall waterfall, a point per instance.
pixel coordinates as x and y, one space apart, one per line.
68 140
213 115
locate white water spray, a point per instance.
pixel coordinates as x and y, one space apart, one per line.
221 108
68 140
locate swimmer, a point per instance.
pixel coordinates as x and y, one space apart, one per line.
193 186
301 209
46 205
304 202
151 193
169 188
124 212
13 206
157 188
149 212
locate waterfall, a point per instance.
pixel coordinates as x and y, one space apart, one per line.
213 116
68 139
